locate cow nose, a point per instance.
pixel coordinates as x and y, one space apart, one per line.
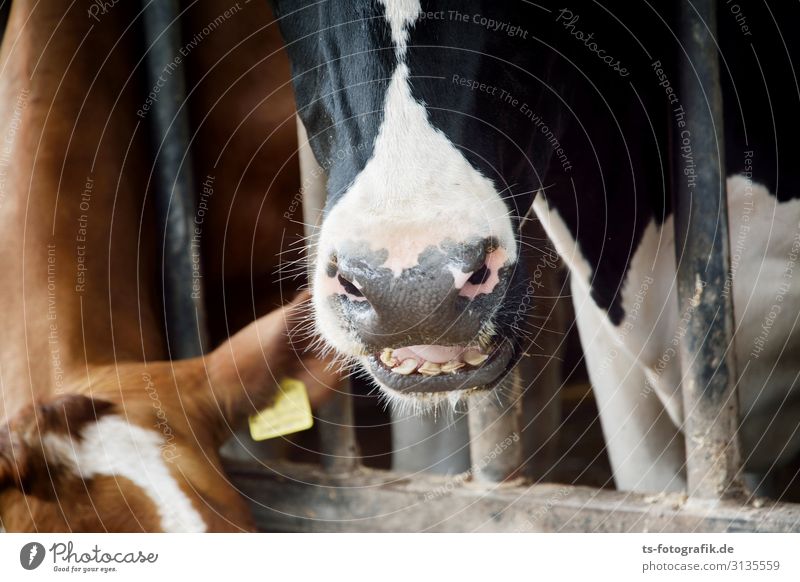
444 298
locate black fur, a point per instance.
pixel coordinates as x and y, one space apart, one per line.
615 123
342 59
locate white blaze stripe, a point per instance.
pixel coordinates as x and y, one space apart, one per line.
401 14
416 191
113 447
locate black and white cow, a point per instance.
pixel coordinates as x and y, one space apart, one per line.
441 124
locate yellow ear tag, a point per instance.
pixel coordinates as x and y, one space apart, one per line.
291 412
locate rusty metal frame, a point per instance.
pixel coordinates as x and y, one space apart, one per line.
290 497
710 400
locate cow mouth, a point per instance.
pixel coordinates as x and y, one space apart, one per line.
434 368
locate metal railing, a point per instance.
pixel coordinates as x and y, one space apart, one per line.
713 462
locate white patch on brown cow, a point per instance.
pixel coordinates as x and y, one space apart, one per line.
113 447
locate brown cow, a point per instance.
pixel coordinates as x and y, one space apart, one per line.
242 111
100 435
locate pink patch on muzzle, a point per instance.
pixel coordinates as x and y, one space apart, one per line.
494 261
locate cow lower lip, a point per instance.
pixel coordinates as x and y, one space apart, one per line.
483 376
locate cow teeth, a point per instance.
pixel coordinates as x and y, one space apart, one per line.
387 358
406 367
452 366
474 357
430 369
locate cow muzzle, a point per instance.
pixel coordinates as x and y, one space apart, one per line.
428 327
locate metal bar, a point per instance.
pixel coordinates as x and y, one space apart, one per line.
337 438
531 419
335 420
302 498
701 240
494 430
434 443
541 371
5 9
184 315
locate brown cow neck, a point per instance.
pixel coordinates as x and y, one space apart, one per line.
72 178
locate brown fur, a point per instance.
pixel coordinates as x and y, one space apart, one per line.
69 356
243 109
23 460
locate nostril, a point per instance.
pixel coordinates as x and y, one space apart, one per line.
480 276
486 279
350 287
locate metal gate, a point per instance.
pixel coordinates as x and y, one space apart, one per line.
342 495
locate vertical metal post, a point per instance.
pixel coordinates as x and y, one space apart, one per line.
430 443
337 433
701 241
495 440
184 315
541 373
335 419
